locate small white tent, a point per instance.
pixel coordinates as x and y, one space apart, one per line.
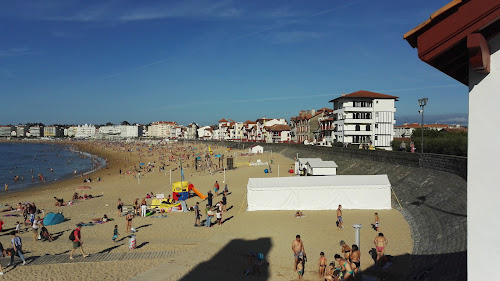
319 193
301 164
321 168
256 149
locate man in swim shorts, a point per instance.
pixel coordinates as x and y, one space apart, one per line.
380 242
298 250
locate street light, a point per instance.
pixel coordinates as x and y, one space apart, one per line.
422 102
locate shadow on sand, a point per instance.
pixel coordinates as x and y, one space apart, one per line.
231 262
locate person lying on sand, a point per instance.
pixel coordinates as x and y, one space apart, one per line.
299 214
59 202
8 209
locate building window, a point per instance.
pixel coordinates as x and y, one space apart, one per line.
358 128
376 137
368 128
376 126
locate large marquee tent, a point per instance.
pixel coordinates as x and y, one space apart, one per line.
319 193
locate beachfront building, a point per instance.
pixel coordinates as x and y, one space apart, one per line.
247 129
222 132
236 131
53 131
70 131
365 117
326 130
305 127
6 131
85 131
277 133
205 133
192 131
462 40
21 131
161 129
36 131
120 131
259 131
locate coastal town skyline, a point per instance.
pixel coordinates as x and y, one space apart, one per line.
75 63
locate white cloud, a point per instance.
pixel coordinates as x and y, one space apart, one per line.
15 52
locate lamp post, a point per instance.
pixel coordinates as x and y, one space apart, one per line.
422 102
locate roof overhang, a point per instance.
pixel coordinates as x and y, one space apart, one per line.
455 37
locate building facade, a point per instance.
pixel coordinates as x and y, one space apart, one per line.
365 117
161 129
53 131
85 131
6 131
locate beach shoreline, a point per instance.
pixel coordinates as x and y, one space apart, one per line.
67 179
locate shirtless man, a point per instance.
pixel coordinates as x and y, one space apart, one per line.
380 242
298 250
339 217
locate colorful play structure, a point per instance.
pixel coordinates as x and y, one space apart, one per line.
180 190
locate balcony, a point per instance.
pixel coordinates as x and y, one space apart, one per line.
358 109
357 133
357 121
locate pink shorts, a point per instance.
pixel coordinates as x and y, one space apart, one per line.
380 249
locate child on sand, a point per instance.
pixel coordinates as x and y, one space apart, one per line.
375 226
18 227
322 264
300 268
115 233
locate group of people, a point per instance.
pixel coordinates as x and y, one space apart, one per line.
212 211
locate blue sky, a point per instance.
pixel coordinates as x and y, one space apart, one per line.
199 61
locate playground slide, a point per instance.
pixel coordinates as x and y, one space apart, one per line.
201 195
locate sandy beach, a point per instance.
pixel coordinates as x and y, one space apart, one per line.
201 253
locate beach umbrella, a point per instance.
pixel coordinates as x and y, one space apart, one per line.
52 218
141 164
83 187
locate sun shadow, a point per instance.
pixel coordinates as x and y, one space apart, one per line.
144 225
422 200
107 250
142 245
233 261
225 220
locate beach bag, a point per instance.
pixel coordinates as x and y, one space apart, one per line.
72 236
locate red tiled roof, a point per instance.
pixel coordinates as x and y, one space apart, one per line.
366 94
223 120
249 122
278 127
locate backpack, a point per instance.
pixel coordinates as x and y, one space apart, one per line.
72 236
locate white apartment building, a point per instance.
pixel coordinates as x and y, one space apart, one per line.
120 131
70 131
161 129
85 131
365 117
205 132
6 131
258 132
22 130
36 131
236 131
278 133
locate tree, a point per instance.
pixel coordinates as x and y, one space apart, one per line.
109 124
125 123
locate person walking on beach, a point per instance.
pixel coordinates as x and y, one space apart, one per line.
35 226
340 224
210 196
298 250
129 218
224 202
210 215
6 187
216 188
115 233
17 245
197 214
144 207
77 242
119 206
375 226
380 243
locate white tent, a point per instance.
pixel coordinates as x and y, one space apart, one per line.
321 168
301 164
319 193
256 149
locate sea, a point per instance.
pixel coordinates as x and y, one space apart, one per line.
38 164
